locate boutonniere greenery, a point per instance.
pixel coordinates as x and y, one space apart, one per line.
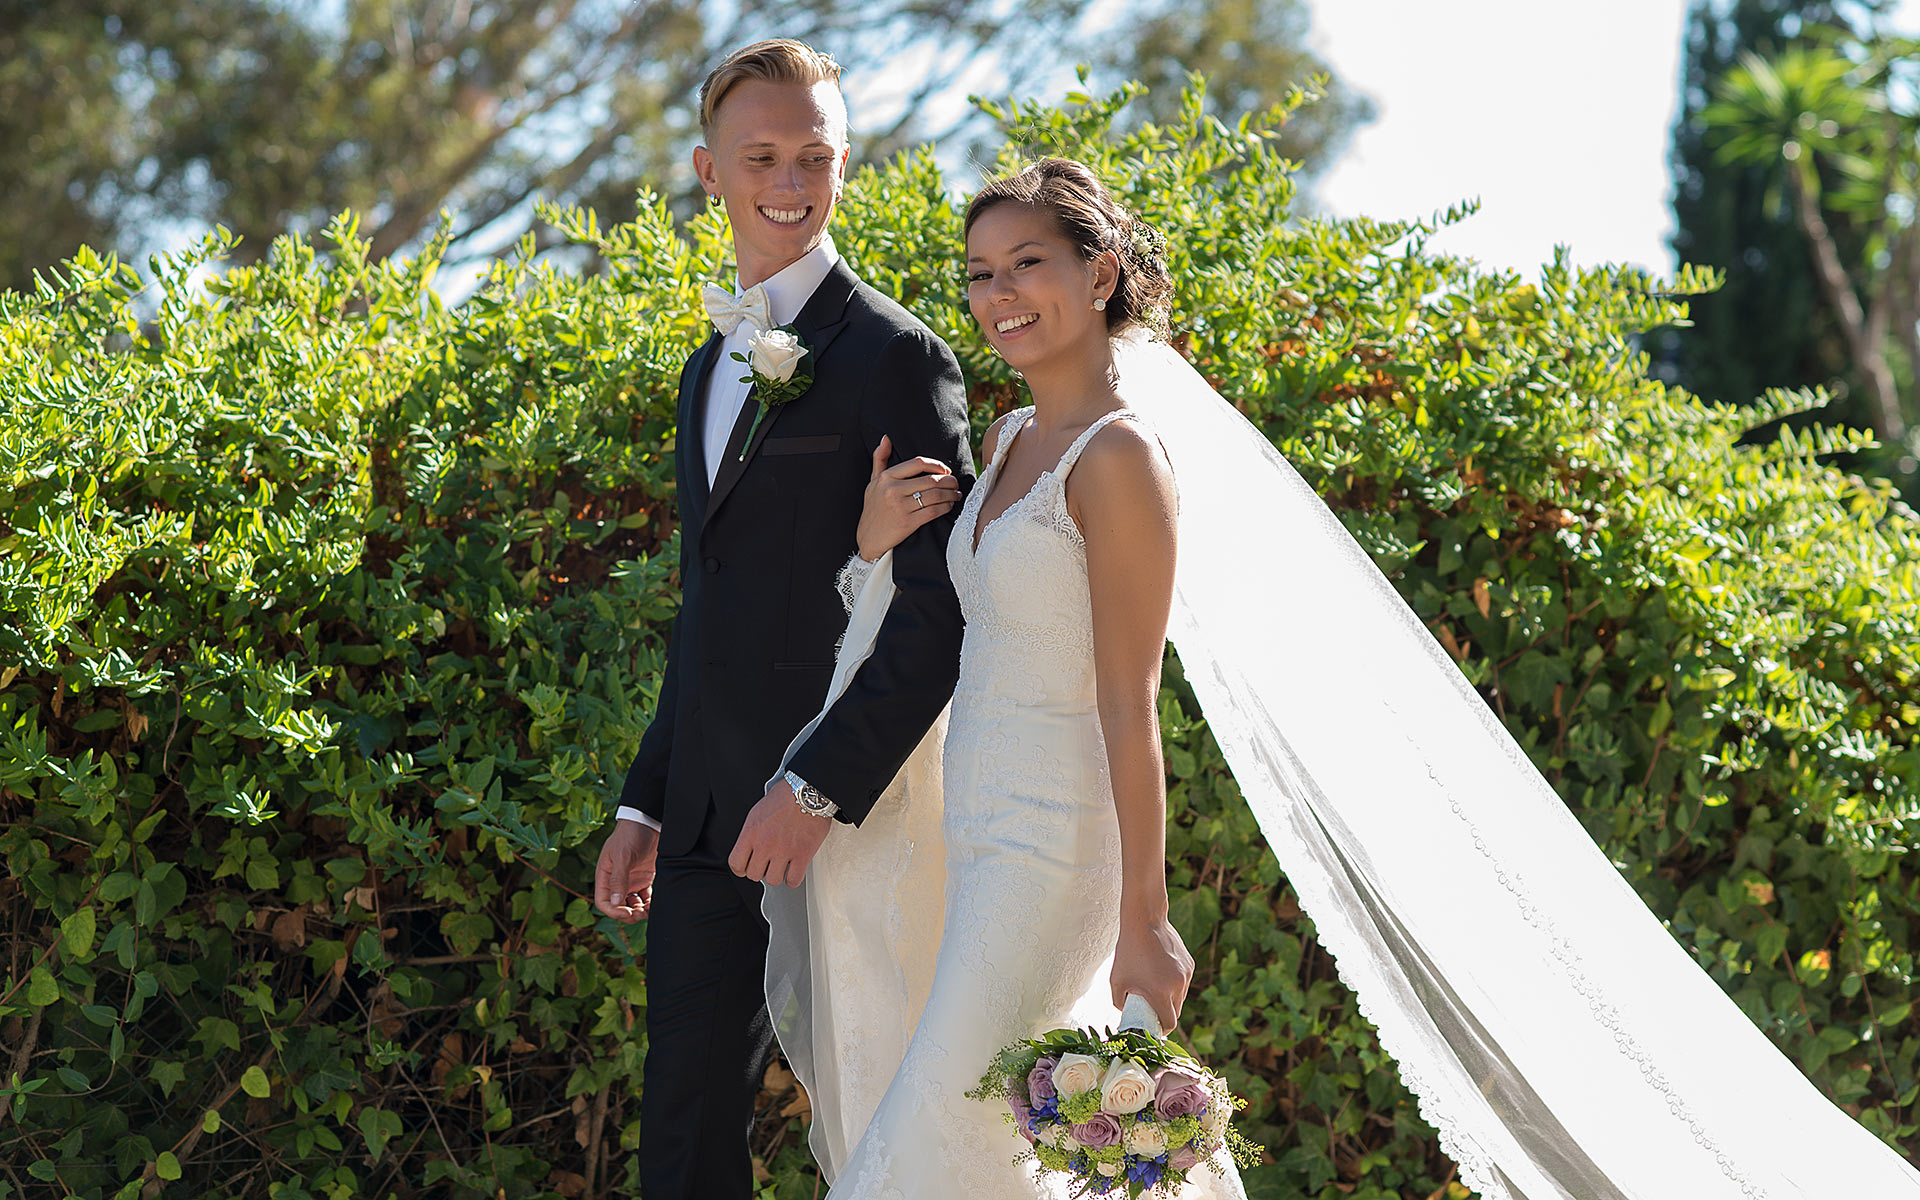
776 361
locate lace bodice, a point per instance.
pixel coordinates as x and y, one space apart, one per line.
1024 589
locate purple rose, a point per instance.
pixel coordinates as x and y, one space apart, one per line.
1178 1094
1022 1115
1099 1131
1183 1159
1040 1079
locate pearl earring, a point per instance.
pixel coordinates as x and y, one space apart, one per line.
1099 304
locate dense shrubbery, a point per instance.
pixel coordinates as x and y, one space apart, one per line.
331 614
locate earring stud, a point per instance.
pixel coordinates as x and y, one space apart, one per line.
1099 304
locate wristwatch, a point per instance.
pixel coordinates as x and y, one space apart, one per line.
809 799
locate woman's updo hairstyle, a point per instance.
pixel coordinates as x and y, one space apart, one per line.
1088 215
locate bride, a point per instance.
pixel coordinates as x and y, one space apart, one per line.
1052 790
1559 1039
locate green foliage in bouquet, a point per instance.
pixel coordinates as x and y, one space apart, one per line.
330 617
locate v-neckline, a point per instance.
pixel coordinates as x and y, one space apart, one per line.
979 531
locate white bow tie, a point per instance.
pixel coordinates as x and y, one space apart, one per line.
727 311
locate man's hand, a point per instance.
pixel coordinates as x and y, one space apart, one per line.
623 882
778 840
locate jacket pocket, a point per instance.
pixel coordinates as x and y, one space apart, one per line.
823 444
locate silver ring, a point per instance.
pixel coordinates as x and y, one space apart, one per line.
918 502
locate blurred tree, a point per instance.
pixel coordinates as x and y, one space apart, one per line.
1837 118
118 118
1251 52
1774 323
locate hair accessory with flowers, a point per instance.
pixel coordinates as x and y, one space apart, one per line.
776 367
1145 241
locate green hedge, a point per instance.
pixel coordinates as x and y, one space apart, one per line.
333 615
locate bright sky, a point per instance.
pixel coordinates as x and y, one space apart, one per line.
1555 113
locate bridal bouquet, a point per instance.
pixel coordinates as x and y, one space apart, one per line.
1122 1111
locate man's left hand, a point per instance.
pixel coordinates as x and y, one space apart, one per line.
778 840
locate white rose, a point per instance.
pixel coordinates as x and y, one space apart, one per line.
1076 1073
1127 1088
1148 1139
1109 1169
774 353
1060 1136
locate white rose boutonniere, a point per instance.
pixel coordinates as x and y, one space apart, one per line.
776 361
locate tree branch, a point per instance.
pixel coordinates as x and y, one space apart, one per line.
1870 356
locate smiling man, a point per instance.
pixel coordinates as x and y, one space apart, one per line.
768 513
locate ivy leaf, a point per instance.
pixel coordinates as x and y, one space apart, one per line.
166 1166
253 1081
77 931
42 989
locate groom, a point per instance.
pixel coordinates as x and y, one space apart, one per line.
768 513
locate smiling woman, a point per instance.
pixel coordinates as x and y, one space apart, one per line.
776 151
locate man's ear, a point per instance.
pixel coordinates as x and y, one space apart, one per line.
703 170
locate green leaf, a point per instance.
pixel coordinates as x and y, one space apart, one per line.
77 931
166 1166
42 990
253 1081
168 1075
42 1169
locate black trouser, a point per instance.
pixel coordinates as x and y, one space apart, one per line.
708 1035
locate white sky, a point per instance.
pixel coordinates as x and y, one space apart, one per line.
1556 114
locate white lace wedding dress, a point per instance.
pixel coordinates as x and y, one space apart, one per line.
1031 870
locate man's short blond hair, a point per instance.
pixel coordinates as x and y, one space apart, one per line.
776 60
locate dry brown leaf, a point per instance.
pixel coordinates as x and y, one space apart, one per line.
568 1183
1453 646
385 1015
800 1106
363 896
453 1050
1482 598
136 724
289 930
778 1079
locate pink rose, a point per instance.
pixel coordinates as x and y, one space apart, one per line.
1099 1131
1040 1080
1183 1159
1178 1094
1022 1115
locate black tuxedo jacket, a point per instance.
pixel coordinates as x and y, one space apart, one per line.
752 649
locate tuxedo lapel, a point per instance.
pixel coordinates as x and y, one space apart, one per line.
692 440
818 324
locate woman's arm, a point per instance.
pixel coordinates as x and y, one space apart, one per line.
1121 494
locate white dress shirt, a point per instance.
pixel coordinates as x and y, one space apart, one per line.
787 293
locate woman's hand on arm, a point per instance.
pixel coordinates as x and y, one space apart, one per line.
901 498
1121 494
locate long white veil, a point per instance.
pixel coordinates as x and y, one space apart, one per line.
1560 1040
1556 1035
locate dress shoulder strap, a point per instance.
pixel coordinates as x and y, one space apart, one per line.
1010 429
1080 443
